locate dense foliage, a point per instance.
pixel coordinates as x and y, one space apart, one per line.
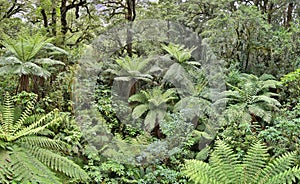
149 91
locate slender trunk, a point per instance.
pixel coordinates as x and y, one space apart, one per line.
63 19
45 19
270 11
130 16
53 24
129 40
38 83
289 15
24 83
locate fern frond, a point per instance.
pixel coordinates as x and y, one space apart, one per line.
260 112
10 44
232 95
139 110
150 121
36 44
200 172
224 163
54 49
25 114
7 115
254 161
38 125
178 52
28 169
288 176
265 77
277 166
59 163
9 61
139 97
1 120
269 84
266 99
42 142
5 174
169 95
252 170
48 61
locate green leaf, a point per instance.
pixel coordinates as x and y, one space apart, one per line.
139 110
150 121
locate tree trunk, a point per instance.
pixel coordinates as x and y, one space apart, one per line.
53 23
24 83
270 11
45 19
63 19
130 16
289 16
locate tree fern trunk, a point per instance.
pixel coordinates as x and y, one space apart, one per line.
24 83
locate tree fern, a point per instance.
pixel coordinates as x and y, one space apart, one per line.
154 103
225 168
26 155
181 54
26 57
253 95
131 67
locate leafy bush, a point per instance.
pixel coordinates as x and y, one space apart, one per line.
291 87
283 135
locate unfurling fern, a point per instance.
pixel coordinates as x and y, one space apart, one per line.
225 168
27 156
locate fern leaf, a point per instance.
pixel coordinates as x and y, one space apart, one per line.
36 127
150 121
28 169
269 100
269 84
56 50
9 61
1 120
224 163
252 170
25 114
7 115
277 166
5 174
48 61
59 163
254 161
139 110
200 172
42 142
258 111
37 43
288 176
139 97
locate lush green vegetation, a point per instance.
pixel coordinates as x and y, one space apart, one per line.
165 91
